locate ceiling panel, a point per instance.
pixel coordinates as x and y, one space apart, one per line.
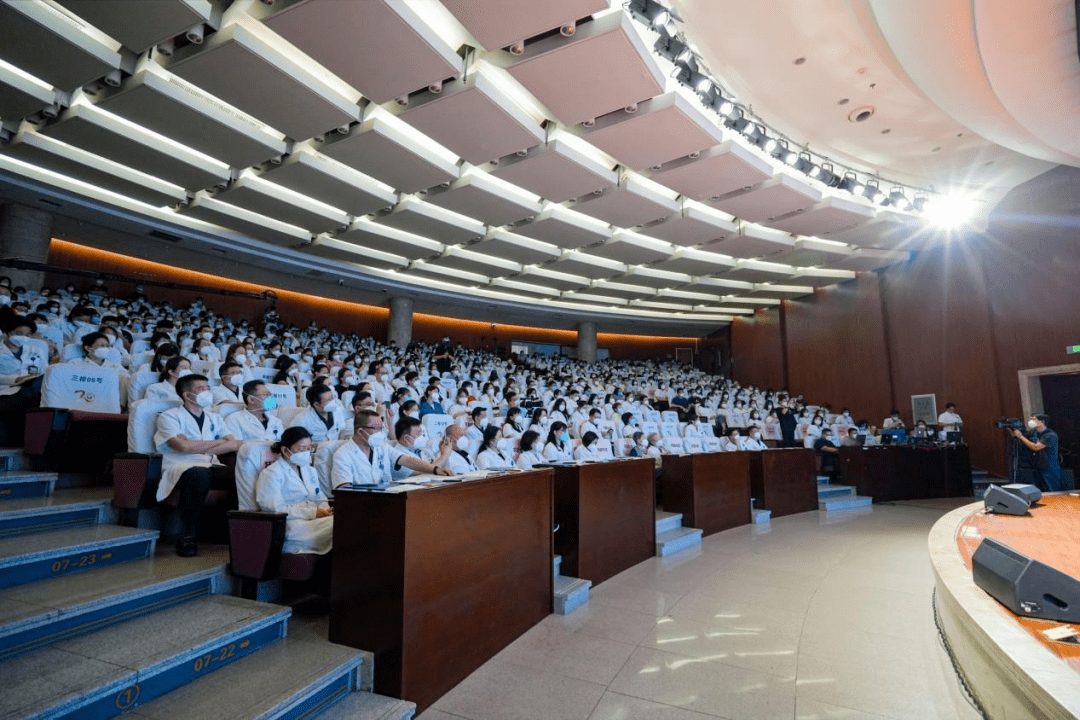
871 259
473 118
260 227
390 151
776 291
564 228
627 205
523 250
555 171
139 31
421 218
781 195
830 215
243 65
722 287
21 96
888 230
424 269
53 45
715 172
264 197
166 104
498 23
694 225
631 248
809 252
578 263
471 260
605 66
529 287
487 199
588 296
73 162
341 251
365 233
820 277
354 39
328 181
696 262
754 241
654 278
103 134
622 289
548 277
758 271
656 131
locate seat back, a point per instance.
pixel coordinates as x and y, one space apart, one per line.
139 382
81 387
142 424
674 444
771 431
604 450
654 416
669 429
435 425
622 446
284 394
71 351
693 445
255 542
649 427
288 414
266 374
669 416
711 444
251 458
324 464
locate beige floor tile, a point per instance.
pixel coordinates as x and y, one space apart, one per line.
747 645
433 714
504 691
573 655
708 687
614 706
813 710
643 600
605 621
733 613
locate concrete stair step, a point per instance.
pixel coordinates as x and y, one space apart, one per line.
677 540
13 459
369 706
667 521
759 516
556 565
21 484
64 509
847 502
49 611
119 668
29 558
822 479
834 491
289 679
570 594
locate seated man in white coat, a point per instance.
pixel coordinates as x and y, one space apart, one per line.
411 440
256 421
754 442
369 459
455 445
190 438
325 419
232 376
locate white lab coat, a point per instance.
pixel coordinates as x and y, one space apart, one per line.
223 394
352 466
492 460
163 390
458 464
556 453
245 427
285 488
33 360
586 453
530 459
178 421
310 421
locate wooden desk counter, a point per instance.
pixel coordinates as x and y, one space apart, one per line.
435 582
711 490
908 473
606 513
784 481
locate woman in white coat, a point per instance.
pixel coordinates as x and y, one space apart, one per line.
290 485
530 456
496 451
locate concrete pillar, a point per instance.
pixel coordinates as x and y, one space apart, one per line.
586 341
400 330
25 233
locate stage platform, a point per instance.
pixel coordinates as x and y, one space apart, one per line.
1014 670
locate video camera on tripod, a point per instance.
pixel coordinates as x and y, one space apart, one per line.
1009 424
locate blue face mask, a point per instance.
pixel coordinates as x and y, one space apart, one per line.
565 437
269 403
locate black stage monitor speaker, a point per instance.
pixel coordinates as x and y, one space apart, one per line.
1029 492
1027 587
1004 502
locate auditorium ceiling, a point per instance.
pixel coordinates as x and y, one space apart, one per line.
549 161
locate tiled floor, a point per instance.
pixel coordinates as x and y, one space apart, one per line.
815 617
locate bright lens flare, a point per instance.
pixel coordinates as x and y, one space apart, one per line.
949 211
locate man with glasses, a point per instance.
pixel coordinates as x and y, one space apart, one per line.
369 459
256 421
232 376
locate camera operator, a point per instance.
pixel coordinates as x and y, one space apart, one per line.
1044 444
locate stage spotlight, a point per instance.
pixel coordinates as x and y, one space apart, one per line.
672 49
703 85
899 200
949 211
873 193
852 184
768 144
748 128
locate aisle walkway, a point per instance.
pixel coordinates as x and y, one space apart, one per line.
816 617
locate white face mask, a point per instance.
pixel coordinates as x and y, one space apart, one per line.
301 459
420 442
204 350
101 353
19 340
183 372
756 436
204 399
5 300
377 439
240 358
506 445
462 443
208 336
1032 424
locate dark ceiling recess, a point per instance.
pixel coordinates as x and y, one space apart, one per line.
1078 28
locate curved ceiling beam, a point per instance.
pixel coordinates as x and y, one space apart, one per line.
1029 52
935 42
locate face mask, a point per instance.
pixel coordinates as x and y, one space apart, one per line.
184 372
301 459
269 404
565 437
208 336
204 350
420 442
413 414
19 340
462 443
232 379
1032 424
756 436
5 300
377 439
101 353
240 358
204 399
333 406
506 445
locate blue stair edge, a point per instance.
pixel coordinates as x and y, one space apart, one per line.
845 503
30 558
761 516
676 540
20 484
667 521
369 706
570 594
829 491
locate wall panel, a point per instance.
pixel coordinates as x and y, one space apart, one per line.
757 351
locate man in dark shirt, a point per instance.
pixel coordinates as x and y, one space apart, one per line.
830 455
786 416
444 355
1044 443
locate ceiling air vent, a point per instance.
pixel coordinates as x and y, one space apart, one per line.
167 237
